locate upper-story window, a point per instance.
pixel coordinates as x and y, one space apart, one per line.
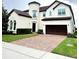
50 13
44 14
34 13
61 12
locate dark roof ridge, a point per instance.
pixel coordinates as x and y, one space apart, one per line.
34 2
56 18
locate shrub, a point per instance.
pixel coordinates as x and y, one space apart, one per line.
7 32
23 31
40 31
74 35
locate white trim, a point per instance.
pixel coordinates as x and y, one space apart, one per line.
36 27
44 29
69 28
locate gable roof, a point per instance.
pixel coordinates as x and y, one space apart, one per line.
21 13
61 3
57 4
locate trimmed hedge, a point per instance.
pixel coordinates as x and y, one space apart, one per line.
40 31
24 31
74 35
7 32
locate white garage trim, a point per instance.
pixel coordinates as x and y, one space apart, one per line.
60 22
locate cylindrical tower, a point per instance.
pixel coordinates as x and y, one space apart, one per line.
34 8
34 13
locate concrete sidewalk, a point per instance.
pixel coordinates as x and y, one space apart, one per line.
12 51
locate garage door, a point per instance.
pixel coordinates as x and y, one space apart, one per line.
56 29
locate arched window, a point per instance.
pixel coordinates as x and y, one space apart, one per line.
14 24
11 25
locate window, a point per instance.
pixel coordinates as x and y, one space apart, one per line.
11 25
34 13
61 12
14 24
44 14
50 13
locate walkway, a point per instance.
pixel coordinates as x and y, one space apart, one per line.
41 42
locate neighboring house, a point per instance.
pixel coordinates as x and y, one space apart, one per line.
57 18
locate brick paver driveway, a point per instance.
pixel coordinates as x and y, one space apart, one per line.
41 42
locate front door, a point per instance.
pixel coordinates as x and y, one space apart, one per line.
33 27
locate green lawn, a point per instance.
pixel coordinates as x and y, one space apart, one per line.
10 38
64 48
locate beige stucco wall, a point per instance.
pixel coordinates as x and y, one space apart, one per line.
24 22
55 11
40 20
21 21
34 7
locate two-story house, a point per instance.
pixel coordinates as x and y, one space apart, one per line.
57 18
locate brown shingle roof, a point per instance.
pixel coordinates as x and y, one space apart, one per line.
21 13
26 11
44 8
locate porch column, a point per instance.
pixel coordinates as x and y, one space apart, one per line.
44 29
69 29
36 30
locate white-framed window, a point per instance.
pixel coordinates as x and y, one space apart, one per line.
34 13
44 14
61 11
14 24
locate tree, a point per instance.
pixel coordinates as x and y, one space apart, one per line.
4 20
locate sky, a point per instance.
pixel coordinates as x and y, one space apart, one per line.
23 4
